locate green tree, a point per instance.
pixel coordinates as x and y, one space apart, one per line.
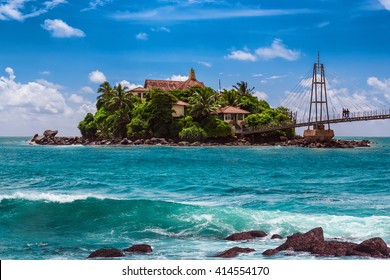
230 98
160 111
88 127
203 103
193 133
106 92
217 128
243 89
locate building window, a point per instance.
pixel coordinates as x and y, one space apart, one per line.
240 117
228 117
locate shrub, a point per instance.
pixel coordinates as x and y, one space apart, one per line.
137 127
217 128
193 133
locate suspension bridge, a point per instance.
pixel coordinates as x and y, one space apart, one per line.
316 105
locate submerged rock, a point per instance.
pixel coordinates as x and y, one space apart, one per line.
139 248
107 253
233 252
276 236
246 235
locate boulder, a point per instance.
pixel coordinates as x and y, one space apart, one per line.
314 243
138 142
125 141
270 252
233 252
276 236
246 235
183 143
50 133
139 248
303 242
40 139
374 244
107 253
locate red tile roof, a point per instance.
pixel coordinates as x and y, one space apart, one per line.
139 89
182 103
232 110
171 85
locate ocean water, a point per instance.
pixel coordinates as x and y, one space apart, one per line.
63 202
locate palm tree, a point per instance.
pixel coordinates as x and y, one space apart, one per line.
106 91
120 98
230 98
203 103
243 89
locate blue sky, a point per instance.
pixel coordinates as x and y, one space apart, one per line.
55 53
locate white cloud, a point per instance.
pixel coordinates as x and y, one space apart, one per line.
386 4
241 55
60 29
257 75
129 85
205 63
163 28
276 77
180 13
178 78
142 36
32 107
94 4
45 72
97 77
378 84
77 99
278 49
260 95
16 9
87 90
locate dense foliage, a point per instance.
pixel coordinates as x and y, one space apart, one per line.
120 114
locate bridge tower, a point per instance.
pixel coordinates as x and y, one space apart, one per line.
319 110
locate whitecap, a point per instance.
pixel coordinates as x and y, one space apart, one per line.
51 197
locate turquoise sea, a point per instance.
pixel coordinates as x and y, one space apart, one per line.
63 202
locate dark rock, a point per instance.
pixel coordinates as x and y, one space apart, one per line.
139 248
283 138
40 139
50 133
314 243
183 143
125 141
332 248
303 242
233 252
270 252
195 144
33 139
246 235
374 244
276 236
107 253
138 142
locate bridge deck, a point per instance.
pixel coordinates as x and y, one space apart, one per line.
354 117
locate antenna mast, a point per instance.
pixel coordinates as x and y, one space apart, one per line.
319 109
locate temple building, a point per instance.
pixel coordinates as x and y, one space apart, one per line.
168 85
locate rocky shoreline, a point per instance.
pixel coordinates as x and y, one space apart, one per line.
312 242
49 138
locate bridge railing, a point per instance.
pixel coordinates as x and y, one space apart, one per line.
294 122
350 115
